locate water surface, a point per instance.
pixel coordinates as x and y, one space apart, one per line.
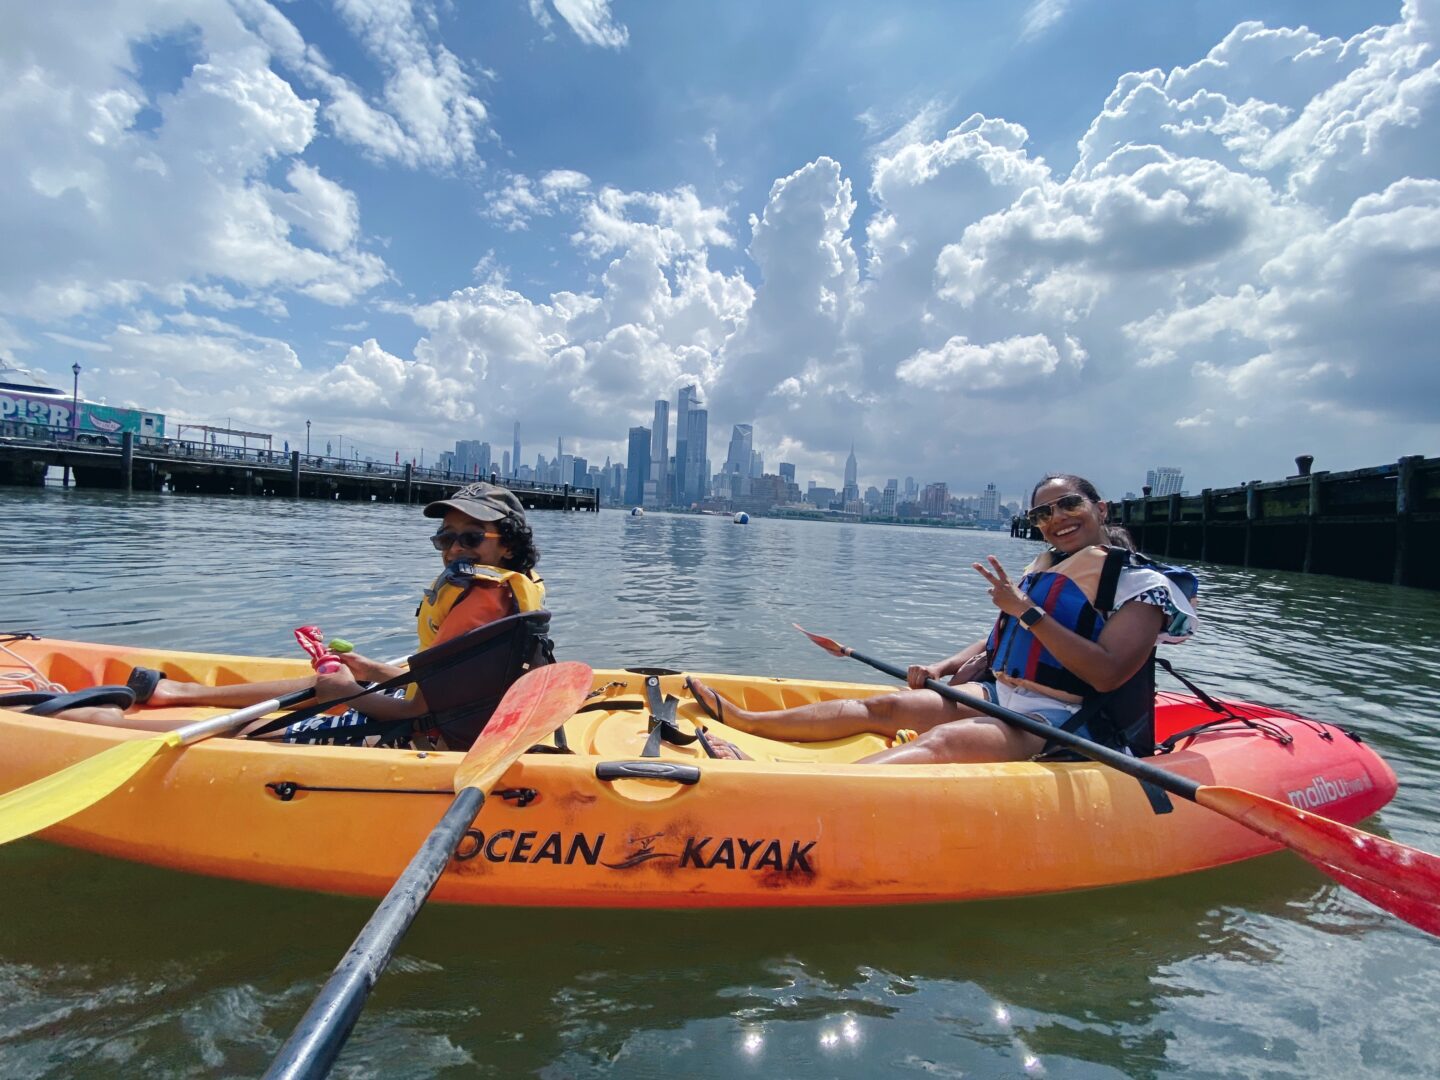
1264 969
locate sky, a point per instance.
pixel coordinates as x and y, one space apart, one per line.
980 242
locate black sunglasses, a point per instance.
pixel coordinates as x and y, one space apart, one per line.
469 538
1042 513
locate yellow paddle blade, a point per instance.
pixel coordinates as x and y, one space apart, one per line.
539 702
53 798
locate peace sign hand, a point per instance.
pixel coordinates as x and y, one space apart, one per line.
1003 592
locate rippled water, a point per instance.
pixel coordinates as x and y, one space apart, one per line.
1264 969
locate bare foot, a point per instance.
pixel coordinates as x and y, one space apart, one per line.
725 750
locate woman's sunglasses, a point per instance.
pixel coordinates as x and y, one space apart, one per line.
1069 503
470 538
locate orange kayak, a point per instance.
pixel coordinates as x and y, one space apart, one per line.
800 825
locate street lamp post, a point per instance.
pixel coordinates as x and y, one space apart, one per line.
307 438
75 402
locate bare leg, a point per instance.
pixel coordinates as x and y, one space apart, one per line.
172 692
962 742
93 714
884 715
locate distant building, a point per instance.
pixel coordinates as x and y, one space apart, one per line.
851 491
987 506
889 498
505 462
823 497
1164 480
657 491
472 457
935 499
691 432
787 472
515 450
637 469
738 461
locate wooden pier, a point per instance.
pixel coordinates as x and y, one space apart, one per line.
203 468
1379 524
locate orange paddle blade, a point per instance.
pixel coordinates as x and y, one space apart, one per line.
539 702
830 645
1388 867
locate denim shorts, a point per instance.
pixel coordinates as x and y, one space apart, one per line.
1056 717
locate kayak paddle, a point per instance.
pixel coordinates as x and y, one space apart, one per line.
1402 880
51 799
538 703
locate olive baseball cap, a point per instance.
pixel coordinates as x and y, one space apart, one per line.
481 501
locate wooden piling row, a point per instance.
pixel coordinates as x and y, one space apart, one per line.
1364 523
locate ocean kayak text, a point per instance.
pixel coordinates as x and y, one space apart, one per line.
697 852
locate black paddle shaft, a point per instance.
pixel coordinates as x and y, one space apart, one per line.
1182 786
316 1041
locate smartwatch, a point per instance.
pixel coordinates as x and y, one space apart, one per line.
1030 616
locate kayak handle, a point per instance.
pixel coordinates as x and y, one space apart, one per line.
648 770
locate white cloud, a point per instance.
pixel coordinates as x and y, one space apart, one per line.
1040 16
590 20
1014 362
100 212
1245 245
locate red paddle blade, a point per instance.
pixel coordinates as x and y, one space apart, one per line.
1387 867
830 645
540 701
1416 912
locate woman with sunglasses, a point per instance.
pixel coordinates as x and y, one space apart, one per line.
489 554
1072 645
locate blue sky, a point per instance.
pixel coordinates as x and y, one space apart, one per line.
977 240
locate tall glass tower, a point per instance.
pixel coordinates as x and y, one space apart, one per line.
691 427
656 493
637 468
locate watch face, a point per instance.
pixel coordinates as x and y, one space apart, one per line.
1031 616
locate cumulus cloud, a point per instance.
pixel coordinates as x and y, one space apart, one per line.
1244 244
1016 361
99 210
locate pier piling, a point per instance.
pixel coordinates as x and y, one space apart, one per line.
127 462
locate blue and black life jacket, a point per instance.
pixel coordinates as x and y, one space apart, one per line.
1078 592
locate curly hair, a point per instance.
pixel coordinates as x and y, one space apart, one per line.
1118 535
515 534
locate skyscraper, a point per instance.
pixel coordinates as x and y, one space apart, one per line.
697 465
505 462
515 452
737 460
1164 480
851 491
656 489
787 472
691 434
637 469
